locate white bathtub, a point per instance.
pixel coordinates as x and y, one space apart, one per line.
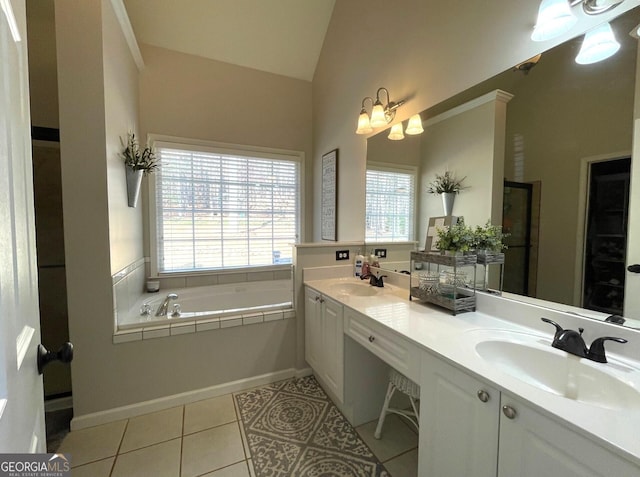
200 303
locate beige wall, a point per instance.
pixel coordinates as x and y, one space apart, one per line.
563 113
85 197
121 112
192 97
470 144
43 81
179 95
424 51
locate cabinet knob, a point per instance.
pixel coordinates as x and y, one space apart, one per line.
635 268
317 298
371 338
321 300
483 395
509 411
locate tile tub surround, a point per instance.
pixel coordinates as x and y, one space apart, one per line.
129 284
207 308
453 339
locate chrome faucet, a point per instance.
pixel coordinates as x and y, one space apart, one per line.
164 306
572 342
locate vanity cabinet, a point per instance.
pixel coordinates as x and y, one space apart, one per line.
324 344
394 350
532 444
470 428
458 422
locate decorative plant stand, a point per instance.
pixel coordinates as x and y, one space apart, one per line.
487 259
450 291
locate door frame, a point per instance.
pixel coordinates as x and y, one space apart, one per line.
583 202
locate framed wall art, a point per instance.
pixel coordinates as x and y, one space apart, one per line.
432 234
330 195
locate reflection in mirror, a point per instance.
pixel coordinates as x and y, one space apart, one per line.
563 152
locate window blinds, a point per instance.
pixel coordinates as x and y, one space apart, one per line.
390 198
224 210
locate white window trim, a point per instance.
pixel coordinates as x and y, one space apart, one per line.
159 140
407 169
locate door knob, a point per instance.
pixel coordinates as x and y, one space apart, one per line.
635 268
64 354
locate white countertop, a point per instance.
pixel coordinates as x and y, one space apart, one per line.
453 338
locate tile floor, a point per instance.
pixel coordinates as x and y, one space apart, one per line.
204 439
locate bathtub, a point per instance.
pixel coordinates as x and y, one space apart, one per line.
210 302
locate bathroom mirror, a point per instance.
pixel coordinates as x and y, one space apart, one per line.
563 119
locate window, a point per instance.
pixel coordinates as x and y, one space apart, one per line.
390 203
224 208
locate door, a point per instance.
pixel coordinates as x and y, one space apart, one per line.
516 221
606 236
458 423
333 346
312 330
21 394
532 445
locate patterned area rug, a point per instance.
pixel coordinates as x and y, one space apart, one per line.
294 429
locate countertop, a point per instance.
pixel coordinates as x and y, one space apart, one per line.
454 338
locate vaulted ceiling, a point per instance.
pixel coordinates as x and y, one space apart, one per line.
278 36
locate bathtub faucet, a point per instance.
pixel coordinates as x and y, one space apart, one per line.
164 306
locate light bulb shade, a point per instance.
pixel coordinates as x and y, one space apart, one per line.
554 19
598 44
396 132
378 118
364 125
415 125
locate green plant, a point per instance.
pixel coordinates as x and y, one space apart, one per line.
446 183
490 237
136 159
457 238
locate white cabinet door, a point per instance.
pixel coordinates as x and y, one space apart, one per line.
21 397
533 445
312 329
332 345
458 423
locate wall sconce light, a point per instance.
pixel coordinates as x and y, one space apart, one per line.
555 16
381 115
414 126
598 44
396 133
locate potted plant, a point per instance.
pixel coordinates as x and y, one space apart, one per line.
137 163
489 239
447 186
457 239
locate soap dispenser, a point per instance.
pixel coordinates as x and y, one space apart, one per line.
358 264
366 269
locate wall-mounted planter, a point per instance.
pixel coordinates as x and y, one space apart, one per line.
448 198
134 180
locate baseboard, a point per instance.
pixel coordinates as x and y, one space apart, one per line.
58 404
303 373
153 405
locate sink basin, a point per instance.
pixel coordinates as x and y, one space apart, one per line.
357 289
562 374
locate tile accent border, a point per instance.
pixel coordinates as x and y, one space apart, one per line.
208 324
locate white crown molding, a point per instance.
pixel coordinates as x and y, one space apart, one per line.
496 95
127 30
